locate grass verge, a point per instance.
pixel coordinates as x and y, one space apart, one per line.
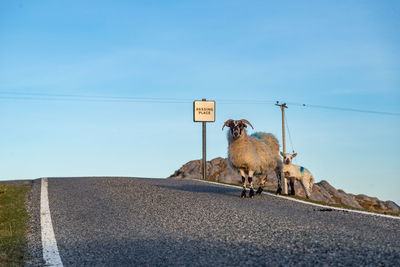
337 205
344 206
13 219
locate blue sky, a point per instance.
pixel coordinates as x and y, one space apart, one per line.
244 54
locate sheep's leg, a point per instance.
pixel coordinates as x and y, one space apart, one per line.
250 179
261 185
306 186
309 181
279 176
243 183
243 195
291 183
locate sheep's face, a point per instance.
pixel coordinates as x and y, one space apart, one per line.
236 128
287 158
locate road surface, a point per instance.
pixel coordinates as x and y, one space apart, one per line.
159 222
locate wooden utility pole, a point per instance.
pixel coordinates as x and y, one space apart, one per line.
283 106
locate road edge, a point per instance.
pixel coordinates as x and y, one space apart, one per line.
49 244
306 202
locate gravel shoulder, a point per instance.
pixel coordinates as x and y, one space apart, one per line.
33 235
132 221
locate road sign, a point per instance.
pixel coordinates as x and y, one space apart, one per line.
203 111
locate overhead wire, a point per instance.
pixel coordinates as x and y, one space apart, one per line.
290 136
88 98
4 95
97 100
344 109
103 98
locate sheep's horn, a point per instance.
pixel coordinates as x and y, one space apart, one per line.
226 124
247 122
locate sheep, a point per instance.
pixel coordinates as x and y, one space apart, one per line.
293 172
252 155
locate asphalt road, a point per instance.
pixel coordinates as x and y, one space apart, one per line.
160 222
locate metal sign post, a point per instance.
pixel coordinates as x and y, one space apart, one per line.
204 169
204 111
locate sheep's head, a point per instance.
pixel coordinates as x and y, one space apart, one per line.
236 127
287 158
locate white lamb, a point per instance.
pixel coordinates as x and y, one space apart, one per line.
293 172
252 154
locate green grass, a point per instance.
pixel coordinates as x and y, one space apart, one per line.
13 219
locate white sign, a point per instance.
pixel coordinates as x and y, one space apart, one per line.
204 111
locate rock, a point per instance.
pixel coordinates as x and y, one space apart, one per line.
374 204
218 170
191 169
332 195
321 194
349 200
393 206
324 184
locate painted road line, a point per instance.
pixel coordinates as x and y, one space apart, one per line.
310 203
51 255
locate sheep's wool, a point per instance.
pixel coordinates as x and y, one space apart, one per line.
253 153
269 139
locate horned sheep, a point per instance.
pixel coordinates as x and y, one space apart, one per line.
294 172
252 155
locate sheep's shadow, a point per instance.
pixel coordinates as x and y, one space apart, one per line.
199 188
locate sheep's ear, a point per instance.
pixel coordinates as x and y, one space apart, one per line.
283 155
294 155
227 123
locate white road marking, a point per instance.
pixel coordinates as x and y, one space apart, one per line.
51 255
310 203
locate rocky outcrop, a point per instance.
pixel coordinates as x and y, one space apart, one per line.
218 170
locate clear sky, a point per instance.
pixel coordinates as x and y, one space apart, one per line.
106 87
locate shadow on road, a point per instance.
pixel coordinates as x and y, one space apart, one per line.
202 189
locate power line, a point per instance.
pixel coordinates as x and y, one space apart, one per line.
290 136
345 109
88 98
102 98
95 100
244 101
72 96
